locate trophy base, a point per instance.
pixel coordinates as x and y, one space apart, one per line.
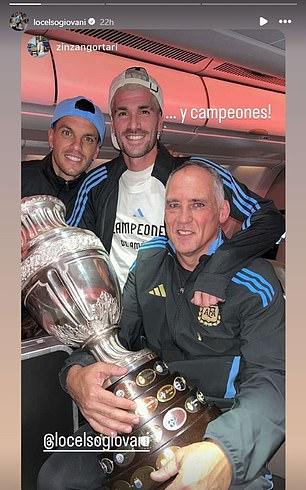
172 415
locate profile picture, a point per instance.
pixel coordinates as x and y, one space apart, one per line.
19 21
38 46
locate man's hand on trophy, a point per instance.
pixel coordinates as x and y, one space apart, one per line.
106 413
199 466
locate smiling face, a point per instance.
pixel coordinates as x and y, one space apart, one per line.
136 120
75 145
193 214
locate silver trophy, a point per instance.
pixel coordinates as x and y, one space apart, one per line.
71 290
69 285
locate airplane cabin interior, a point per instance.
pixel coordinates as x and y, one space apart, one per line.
197 70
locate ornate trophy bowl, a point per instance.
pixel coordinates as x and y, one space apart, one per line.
71 290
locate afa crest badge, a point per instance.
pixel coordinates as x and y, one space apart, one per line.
209 316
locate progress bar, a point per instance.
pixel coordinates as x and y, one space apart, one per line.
161 4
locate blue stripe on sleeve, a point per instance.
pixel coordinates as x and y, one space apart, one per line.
132 266
238 193
252 289
157 242
256 284
230 388
260 278
91 181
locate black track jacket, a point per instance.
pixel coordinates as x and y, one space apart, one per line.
38 177
233 352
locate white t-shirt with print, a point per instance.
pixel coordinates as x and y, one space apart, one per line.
140 217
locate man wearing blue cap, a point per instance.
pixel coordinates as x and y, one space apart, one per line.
75 136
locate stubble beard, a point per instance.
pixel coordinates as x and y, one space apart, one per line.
139 152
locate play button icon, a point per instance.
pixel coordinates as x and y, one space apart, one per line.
263 21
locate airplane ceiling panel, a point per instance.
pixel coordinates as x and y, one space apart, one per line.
37 80
237 140
242 108
260 49
226 147
132 44
240 74
90 74
228 55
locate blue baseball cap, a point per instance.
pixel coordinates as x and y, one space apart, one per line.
81 107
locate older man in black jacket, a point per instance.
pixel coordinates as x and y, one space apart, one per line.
234 352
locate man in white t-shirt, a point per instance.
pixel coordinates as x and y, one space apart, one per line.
136 126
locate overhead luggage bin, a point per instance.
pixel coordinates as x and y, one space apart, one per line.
237 102
91 73
138 46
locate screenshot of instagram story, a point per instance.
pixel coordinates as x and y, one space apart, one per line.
151 310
